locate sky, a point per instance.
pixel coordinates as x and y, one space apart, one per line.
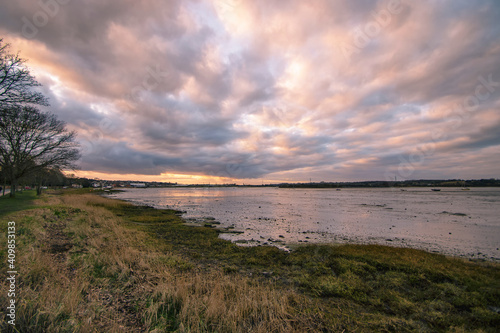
263 91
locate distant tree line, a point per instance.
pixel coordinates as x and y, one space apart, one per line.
34 145
406 183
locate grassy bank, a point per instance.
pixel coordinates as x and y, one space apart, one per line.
22 200
92 264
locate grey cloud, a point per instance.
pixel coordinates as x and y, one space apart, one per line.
138 59
107 156
486 136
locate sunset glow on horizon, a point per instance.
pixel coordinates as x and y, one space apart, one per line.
240 91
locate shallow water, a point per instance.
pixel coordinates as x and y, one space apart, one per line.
452 221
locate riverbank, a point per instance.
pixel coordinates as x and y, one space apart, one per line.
89 263
451 222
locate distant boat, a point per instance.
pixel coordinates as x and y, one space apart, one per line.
402 189
339 189
435 189
465 188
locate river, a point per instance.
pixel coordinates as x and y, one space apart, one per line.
451 221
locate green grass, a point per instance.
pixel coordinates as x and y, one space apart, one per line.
22 200
386 288
362 288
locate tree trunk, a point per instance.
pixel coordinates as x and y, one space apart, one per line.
39 187
13 185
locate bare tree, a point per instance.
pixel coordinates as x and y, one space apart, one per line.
41 177
16 80
31 141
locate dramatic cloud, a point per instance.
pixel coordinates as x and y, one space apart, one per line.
279 90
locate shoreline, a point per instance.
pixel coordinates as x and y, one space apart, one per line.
249 234
115 266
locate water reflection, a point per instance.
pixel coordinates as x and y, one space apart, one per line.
450 221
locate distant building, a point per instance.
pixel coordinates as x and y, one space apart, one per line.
138 184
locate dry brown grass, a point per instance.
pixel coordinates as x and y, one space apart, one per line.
46 292
92 264
110 281
219 303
